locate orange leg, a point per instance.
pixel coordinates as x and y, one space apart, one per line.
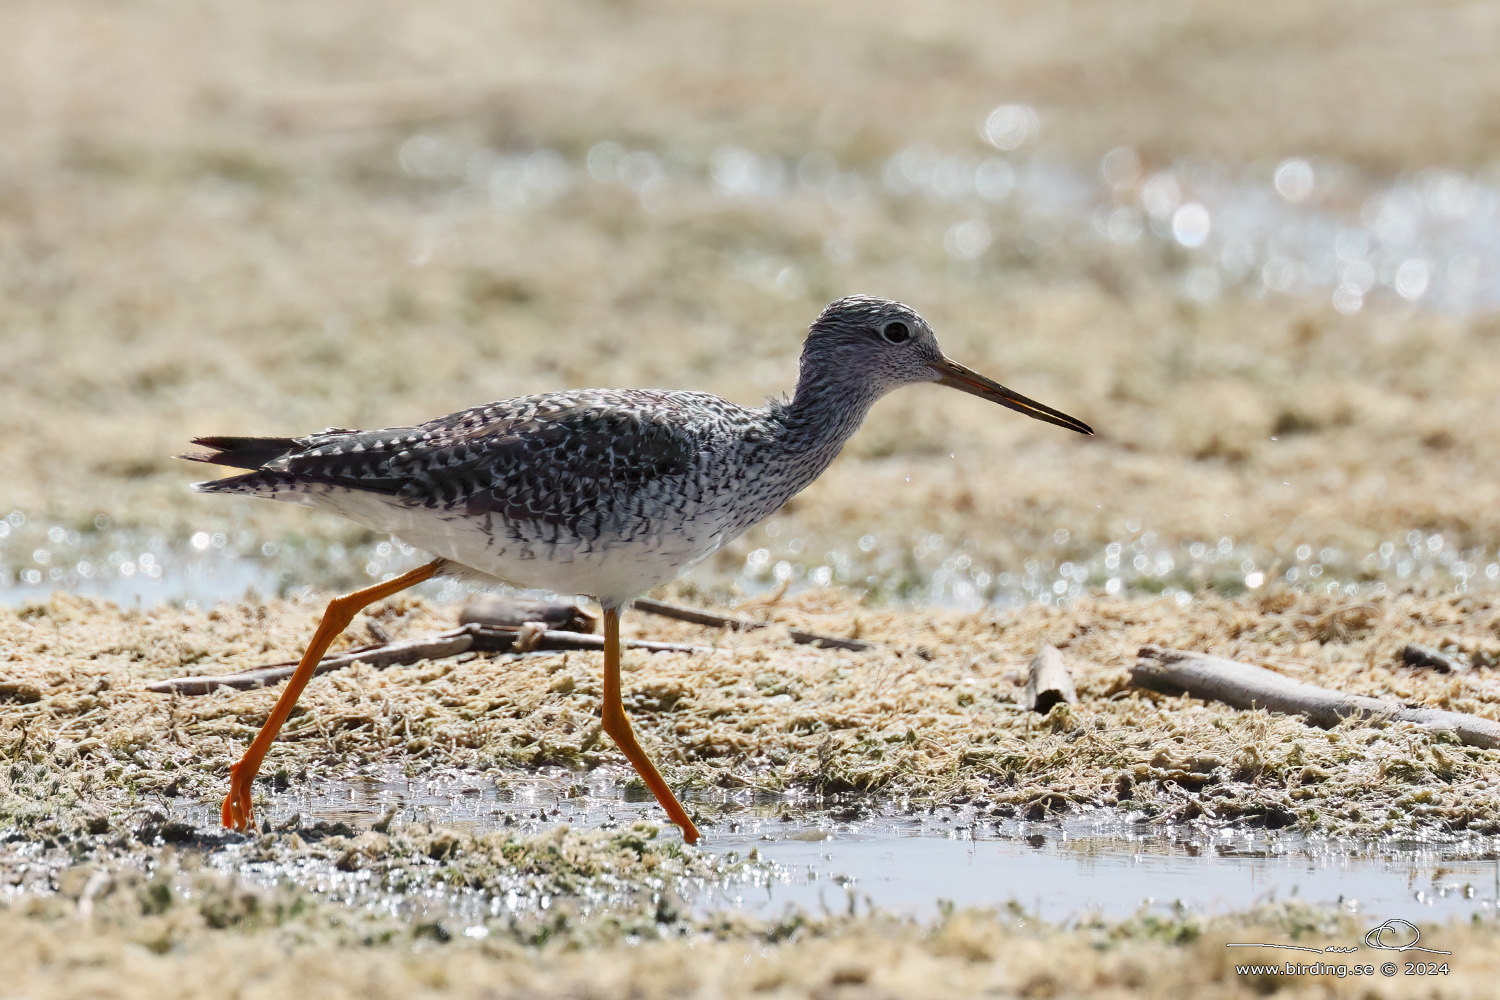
618 728
239 813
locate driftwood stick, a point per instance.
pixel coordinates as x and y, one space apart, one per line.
1049 681
697 617
1240 685
502 639
479 638
427 647
503 609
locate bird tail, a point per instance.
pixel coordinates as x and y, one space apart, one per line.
242 452
261 483
252 453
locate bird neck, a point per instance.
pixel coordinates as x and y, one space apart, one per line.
793 442
828 407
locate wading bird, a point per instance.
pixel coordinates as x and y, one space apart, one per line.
601 492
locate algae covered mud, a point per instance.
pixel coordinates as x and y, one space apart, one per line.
1255 248
465 811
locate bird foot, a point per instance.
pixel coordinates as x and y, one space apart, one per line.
690 835
239 810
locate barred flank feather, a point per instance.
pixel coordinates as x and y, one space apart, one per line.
259 483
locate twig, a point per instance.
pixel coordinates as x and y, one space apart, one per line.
427 647
377 631
1417 655
503 609
1240 685
697 617
1049 682
503 639
480 638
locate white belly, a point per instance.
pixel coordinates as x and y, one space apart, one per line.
611 570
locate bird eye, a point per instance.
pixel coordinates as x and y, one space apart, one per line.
895 333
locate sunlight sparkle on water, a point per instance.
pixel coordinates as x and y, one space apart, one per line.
923 566
1289 228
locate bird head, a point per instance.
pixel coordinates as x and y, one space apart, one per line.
886 344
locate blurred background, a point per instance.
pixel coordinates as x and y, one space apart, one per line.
1257 247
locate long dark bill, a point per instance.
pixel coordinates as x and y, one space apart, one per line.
956 376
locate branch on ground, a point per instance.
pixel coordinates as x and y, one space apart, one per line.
1240 685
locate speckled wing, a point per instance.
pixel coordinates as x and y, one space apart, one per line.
548 459
555 462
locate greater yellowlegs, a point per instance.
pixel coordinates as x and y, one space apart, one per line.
601 492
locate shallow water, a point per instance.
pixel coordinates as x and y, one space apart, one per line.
923 567
912 860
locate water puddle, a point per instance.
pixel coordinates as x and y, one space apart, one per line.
916 861
1060 877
